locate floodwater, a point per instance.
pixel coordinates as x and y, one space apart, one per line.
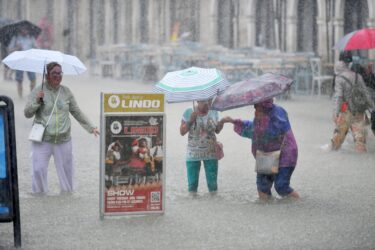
336 209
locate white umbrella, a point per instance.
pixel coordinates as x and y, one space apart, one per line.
34 60
192 84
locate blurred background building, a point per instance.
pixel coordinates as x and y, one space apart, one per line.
136 38
80 26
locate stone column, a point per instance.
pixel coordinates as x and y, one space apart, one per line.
208 22
121 34
244 29
291 26
108 30
291 30
338 24
135 22
322 48
166 17
156 22
83 26
371 23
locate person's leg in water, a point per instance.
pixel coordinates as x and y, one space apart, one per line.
264 185
282 183
19 79
193 169
211 169
358 128
341 130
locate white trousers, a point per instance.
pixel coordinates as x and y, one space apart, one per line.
63 158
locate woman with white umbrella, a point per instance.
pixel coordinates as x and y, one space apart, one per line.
52 105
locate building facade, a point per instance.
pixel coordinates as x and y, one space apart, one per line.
81 26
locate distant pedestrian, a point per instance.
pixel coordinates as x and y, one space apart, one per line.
271 131
350 101
23 41
45 38
57 140
7 70
201 124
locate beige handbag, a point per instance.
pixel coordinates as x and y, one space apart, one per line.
267 162
37 132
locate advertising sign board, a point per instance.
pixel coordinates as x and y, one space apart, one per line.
132 154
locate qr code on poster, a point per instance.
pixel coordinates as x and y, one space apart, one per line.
155 196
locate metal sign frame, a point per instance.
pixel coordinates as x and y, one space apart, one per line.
7 110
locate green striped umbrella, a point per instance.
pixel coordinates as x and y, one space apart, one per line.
192 84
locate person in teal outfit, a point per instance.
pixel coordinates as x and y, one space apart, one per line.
202 125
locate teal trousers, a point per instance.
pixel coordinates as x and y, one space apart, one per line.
193 169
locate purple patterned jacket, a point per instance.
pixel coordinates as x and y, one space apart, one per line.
270 132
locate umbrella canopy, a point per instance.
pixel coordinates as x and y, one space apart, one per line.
359 39
5 21
12 29
192 84
34 60
252 91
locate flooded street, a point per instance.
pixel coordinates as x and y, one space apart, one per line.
336 209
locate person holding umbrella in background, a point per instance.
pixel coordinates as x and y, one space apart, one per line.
23 41
57 137
348 113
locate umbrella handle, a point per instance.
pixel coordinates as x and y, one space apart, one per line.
44 71
194 109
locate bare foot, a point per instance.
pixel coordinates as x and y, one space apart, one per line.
294 195
264 196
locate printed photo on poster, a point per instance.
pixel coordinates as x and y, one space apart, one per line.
133 163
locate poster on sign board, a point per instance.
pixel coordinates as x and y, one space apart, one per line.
133 153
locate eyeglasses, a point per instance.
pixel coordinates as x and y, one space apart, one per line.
56 73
